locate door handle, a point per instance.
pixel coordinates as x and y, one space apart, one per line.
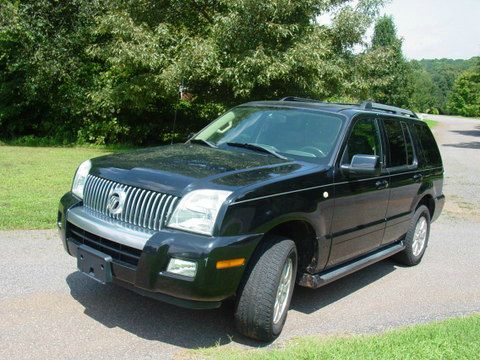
418 177
381 184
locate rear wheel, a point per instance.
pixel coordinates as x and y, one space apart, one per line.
266 291
416 239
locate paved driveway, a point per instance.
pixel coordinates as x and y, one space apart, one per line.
49 310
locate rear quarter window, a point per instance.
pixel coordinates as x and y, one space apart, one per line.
428 146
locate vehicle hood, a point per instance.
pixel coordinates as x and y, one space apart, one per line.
175 169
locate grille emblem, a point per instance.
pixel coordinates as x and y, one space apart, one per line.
116 200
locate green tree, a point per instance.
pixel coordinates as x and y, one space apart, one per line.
109 70
465 96
383 66
44 65
444 72
426 95
385 34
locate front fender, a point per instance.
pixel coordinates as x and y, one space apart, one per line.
264 214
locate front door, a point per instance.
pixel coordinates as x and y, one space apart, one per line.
360 202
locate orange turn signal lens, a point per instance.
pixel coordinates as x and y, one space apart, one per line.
225 264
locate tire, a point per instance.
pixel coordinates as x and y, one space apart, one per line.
255 314
414 251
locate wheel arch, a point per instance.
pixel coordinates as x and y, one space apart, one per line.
303 234
429 202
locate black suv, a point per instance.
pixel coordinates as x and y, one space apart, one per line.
268 195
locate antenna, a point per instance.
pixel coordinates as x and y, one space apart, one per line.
181 90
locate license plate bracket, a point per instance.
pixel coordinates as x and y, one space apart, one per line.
94 264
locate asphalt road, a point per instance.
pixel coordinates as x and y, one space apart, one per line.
49 310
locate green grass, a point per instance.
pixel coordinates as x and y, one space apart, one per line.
450 339
32 180
431 123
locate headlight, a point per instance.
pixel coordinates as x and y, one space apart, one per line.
80 178
198 210
182 267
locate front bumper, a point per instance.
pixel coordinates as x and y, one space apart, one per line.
153 250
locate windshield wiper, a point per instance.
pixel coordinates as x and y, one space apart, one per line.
257 147
202 142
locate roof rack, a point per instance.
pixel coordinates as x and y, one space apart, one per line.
295 98
366 105
300 99
369 105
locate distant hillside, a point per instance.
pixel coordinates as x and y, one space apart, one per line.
432 65
441 73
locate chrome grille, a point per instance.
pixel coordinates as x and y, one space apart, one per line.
144 208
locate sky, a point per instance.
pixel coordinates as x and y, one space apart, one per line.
437 28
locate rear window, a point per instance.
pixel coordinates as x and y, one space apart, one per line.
399 143
428 145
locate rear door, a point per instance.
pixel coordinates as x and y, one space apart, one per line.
405 177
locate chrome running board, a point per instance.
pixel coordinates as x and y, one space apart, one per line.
323 278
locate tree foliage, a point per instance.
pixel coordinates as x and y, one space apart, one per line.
384 68
426 93
442 73
109 71
465 96
385 34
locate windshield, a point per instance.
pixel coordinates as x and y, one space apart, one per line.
294 133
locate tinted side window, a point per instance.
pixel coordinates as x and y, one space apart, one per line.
428 145
399 143
409 142
364 139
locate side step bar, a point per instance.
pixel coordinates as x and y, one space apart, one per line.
318 280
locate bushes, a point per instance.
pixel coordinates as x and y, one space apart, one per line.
108 71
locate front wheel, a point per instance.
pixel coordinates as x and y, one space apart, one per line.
416 239
266 291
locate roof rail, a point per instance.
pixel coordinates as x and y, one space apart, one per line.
295 98
366 105
369 105
300 99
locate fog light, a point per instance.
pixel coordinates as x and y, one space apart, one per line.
182 267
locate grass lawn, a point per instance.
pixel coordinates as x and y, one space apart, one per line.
450 339
431 123
32 180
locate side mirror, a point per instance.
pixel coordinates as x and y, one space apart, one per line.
362 165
